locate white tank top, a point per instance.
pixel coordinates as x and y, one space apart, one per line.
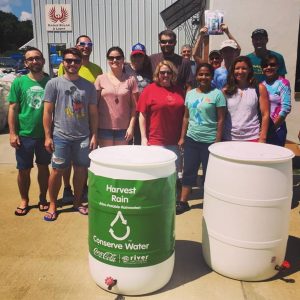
241 122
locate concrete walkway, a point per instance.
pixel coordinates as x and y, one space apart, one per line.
40 260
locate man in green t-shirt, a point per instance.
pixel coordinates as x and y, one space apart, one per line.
26 133
259 41
88 71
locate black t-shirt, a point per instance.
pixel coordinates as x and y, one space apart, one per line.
183 65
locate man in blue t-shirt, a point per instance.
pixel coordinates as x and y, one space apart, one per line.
259 41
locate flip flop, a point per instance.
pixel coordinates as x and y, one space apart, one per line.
23 210
49 217
43 204
82 210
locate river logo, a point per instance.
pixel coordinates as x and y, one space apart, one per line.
135 259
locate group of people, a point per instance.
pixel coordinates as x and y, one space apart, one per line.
163 99
252 103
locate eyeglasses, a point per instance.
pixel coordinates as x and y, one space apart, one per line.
70 61
165 73
112 58
31 59
164 42
272 65
215 58
84 44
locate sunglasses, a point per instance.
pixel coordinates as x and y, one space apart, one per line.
164 42
84 44
31 59
272 65
70 61
112 58
165 72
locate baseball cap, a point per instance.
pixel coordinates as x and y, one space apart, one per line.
214 52
259 31
138 49
229 43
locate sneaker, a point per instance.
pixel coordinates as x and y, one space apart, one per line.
68 193
182 207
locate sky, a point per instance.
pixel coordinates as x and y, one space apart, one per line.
20 8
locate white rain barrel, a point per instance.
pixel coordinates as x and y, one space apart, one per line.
247 202
131 218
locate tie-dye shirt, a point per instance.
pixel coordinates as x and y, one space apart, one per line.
280 97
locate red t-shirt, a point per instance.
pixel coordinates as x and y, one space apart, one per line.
164 109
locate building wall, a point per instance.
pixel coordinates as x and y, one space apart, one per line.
126 22
281 20
109 23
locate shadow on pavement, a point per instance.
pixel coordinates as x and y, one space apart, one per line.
196 193
196 206
189 264
292 254
296 190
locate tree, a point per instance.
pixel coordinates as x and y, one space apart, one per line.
13 33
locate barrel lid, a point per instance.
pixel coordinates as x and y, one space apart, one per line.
251 151
127 155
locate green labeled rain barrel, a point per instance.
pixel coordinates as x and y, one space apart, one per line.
131 218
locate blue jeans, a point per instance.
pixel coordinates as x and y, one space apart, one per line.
66 151
195 153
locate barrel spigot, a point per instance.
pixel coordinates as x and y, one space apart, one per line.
284 266
110 282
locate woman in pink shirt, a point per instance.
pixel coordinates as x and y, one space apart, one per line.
117 97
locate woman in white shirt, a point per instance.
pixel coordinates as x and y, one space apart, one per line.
246 102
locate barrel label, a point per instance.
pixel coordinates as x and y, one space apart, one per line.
131 222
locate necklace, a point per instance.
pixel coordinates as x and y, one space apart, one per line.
116 93
116 86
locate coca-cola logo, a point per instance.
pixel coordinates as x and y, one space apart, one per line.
105 255
56 17
110 257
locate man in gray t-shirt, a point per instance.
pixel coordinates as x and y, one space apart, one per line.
70 122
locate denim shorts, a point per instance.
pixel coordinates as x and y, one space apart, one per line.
112 134
30 147
66 151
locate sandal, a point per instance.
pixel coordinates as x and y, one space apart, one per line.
49 217
23 211
82 210
43 205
